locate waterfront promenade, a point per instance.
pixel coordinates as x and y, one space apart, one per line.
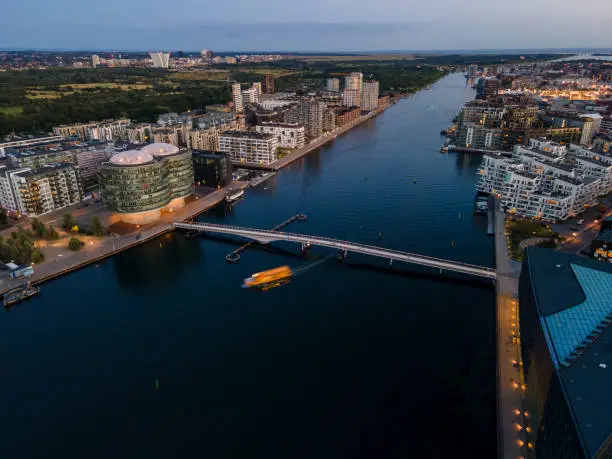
59 260
510 435
322 140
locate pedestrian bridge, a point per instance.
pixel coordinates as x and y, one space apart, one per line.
266 236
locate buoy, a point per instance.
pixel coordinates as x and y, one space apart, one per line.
156 383
379 235
414 180
453 244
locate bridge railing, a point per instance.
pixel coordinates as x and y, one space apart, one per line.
279 235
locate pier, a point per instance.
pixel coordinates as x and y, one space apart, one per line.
267 236
234 256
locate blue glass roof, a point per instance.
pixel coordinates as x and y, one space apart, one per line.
571 327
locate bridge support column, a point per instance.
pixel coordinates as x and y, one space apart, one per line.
390 261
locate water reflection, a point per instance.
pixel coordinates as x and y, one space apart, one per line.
158 263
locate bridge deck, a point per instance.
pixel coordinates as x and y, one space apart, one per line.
265 236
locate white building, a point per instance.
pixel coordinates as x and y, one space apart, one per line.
546 180
333 84
35 192
95 60
288 135
257 87
354 81
237 97
249 147
351 98
107 130
160 60
250 96
369 95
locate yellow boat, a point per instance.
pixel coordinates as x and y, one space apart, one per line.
269 279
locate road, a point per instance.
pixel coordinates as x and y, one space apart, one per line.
511 438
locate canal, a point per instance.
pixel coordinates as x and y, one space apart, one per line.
159 352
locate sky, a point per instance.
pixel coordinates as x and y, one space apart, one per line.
305 25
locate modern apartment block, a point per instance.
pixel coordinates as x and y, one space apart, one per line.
35 192
16 142
138 133
237 97
106 131
288 135
369 95
545 180
351 97
174 134
249 147
250 96
333 85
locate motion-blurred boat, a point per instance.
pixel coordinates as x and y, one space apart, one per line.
269 279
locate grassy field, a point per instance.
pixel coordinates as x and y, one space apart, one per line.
124 87
520 230
11 110
361 57
207 75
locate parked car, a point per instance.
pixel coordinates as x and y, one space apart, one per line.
581 221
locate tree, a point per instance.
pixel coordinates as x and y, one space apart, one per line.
74 244
52 234
37 256
97 227
68 222
3 218
39 228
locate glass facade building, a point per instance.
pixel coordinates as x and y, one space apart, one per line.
566 330
138 184
212 168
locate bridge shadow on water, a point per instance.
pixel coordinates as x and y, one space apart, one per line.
401 269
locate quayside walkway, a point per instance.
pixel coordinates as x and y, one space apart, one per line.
266 236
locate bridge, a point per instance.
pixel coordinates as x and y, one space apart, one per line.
266 236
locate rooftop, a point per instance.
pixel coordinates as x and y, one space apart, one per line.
248 134
131 158
573 298
159 149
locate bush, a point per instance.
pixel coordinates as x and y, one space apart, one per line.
37 256
52 234
68 222
97 228
39 228
75 244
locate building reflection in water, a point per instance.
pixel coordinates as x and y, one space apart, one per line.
158 263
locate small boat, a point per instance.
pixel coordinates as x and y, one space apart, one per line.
234 196
444 149
20 293
269 279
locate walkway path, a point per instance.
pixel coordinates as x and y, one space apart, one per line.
509 382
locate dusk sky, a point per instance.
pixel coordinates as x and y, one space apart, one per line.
313 25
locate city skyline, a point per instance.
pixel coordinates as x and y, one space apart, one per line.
336 25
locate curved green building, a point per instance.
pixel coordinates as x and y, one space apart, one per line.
138 184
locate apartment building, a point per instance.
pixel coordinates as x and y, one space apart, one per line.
249 147
237 97
351 97
35 192
106 130
369 95
545 180
333 85
288 135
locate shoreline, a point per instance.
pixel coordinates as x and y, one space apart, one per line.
113 245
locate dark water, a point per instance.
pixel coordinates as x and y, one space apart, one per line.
351 360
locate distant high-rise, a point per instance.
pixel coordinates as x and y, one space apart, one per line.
350 97
354 81
237 97
333 84
268 84
311 116
250 96
95 60
160 60
369 95
257 87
